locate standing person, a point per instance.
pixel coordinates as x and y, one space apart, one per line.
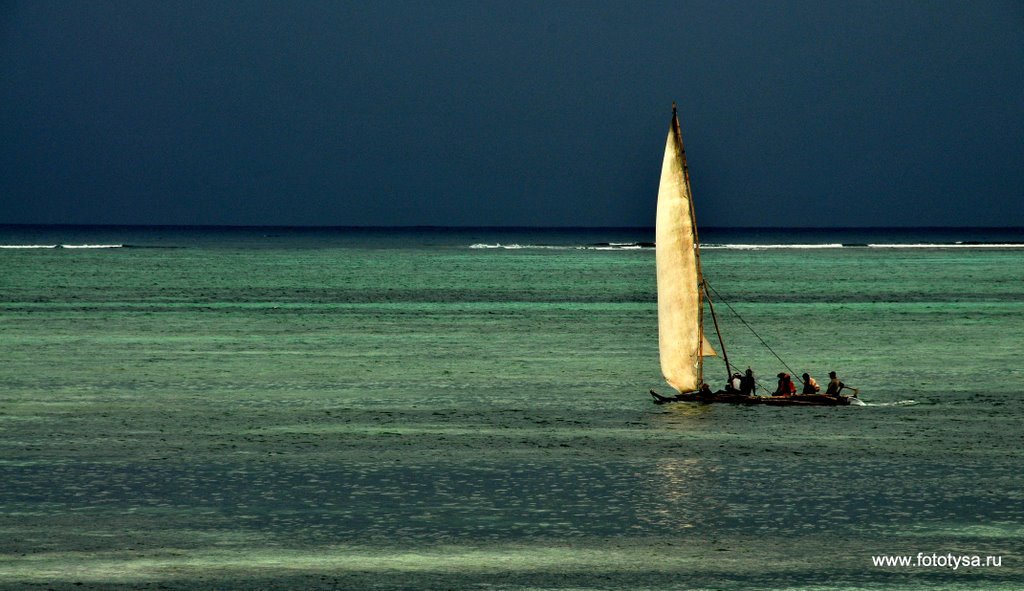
735 383
835 386
748 385
810 386
786 386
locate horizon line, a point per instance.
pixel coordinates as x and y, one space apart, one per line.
480 227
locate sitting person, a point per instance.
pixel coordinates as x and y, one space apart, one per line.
835 386
735 383
810 386
786 386
748 385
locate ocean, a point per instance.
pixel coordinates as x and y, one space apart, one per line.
429 408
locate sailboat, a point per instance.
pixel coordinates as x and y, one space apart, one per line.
682 292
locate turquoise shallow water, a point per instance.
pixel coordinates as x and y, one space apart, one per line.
370 409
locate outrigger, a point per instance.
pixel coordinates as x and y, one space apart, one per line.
736 398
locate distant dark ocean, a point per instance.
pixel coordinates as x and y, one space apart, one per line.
432 408
12 236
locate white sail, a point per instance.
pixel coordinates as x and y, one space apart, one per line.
680 335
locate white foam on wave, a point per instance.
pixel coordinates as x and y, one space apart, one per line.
92 245
714 246
950 245
623 246
517 246
24 246
766 246
897 403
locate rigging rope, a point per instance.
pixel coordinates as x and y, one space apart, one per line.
718 296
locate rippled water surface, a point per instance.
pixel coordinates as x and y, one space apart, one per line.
467 409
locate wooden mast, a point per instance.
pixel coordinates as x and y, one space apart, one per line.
721 343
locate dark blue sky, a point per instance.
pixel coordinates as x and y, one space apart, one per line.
510 113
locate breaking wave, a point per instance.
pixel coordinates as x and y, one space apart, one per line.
953 245
598 246
897 403
28 246
716 246
92 246
713 246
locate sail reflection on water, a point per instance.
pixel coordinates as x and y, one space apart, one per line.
681 494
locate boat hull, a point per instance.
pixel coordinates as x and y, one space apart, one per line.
722 397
